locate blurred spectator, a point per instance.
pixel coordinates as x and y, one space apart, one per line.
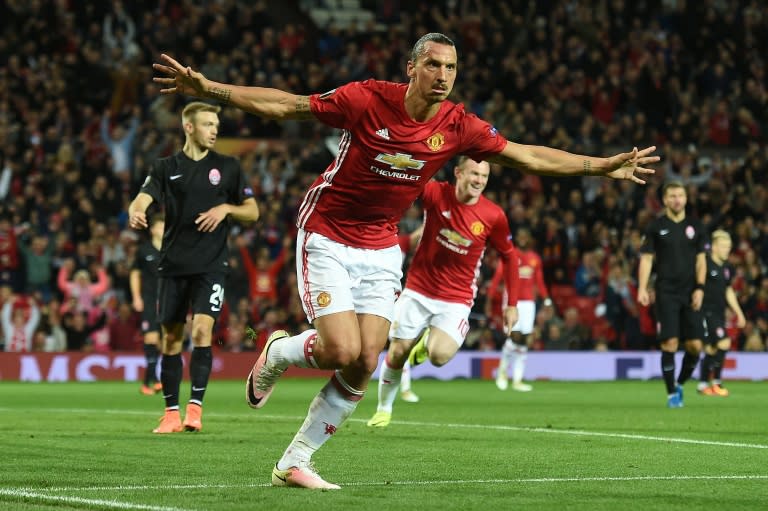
20 316
80 293
79 332
120 141
124 331
38 264
9 253
572 334
587 280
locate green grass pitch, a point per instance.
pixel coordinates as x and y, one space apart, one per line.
465 446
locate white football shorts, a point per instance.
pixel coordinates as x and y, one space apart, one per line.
414 312
333 277
526 315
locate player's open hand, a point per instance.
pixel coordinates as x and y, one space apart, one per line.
209 220
137 220
179 79
510 318
631 165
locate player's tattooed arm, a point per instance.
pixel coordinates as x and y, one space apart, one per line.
220 94
303 112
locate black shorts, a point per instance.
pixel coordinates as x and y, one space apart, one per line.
714 328
202 292
149 322
676 318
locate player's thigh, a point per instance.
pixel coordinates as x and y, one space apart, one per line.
202 330
693 324
324 283
172 300
373 338
714 331
442 345
668 309
377 278
149 319
333 277
339 335
411 316
452 319
526 316
207 295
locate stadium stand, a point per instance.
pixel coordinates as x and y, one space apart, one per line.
687 76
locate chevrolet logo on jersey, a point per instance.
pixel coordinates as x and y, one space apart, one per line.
400 161
455 238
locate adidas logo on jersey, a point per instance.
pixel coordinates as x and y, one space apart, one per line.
383 133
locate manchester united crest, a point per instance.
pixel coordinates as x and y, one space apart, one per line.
436 141
477 228
323 299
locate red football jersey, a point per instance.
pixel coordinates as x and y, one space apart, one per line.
531 275
385 160
447 260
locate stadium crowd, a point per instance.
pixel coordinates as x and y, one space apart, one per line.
80 119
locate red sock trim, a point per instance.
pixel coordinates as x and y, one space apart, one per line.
345 390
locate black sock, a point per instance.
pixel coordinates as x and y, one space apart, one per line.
689 364
170 376
706 367
717 366
151 354
668 370
199 371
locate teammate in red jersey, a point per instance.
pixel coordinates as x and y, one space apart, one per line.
394 138
515 349
440 288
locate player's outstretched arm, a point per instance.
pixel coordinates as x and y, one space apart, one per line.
546 161
264 102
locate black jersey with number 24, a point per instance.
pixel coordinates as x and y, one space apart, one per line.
187 188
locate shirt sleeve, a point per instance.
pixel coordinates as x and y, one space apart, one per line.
479 139
500 239
341 107
703 241
243 189
153 184
430 194
648 246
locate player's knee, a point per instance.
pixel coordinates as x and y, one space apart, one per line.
341 354
397 354
440 357
201 335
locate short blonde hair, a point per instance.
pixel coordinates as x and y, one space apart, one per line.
193 108
720 235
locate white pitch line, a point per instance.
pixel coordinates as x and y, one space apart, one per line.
525 480
578 432
499 427
35 495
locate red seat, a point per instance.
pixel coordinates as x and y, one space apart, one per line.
561 294
601 328
586 307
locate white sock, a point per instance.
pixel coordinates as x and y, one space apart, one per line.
296 350
518 366
506 355
389 382
405 378
328 410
